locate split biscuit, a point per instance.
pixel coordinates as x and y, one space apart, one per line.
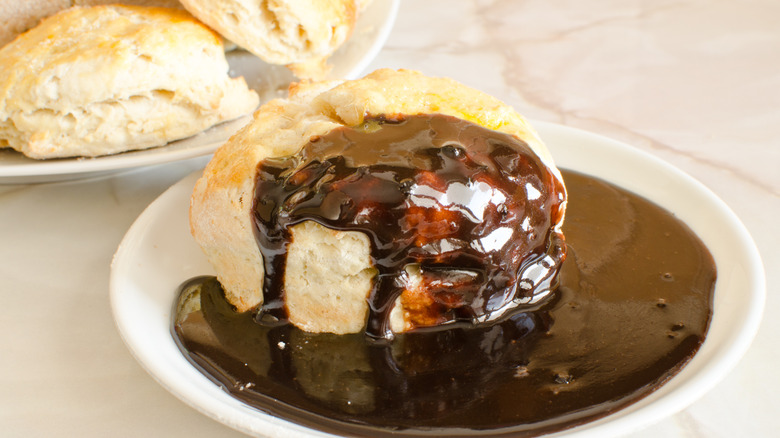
329 272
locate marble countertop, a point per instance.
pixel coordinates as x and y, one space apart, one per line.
694 82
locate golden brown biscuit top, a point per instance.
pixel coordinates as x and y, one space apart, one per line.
282 126
99 48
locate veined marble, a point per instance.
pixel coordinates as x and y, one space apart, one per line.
694 82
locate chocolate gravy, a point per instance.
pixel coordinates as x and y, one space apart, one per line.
632 307
472 208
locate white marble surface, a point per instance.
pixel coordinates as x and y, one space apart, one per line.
694 82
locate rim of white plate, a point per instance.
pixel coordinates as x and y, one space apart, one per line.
143 313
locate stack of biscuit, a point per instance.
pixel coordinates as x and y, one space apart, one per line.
89 78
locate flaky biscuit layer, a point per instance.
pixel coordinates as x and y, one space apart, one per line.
107 79
300 34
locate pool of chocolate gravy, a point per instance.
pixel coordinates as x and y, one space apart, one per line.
632 306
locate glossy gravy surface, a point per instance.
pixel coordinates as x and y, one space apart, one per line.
472 209
632 307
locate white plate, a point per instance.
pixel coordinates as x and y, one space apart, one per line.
371 32
158 254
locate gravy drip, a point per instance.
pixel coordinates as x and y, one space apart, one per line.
632 307
473 209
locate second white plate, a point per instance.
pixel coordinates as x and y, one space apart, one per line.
370 34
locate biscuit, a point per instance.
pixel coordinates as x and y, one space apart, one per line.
329 272
18 16
93 81
300 34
